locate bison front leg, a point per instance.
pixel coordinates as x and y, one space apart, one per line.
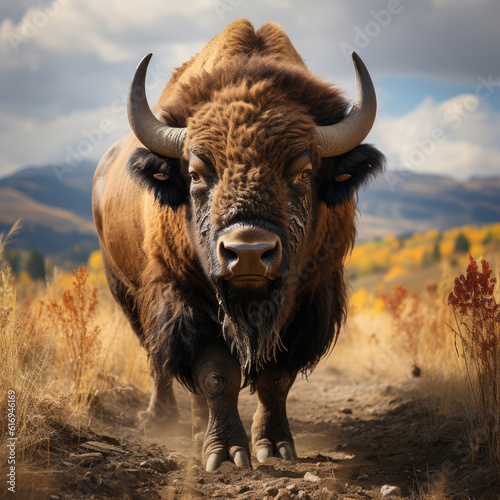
162 409
218 376
271 435
199 416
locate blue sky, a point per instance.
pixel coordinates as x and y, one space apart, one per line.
65 67
406 93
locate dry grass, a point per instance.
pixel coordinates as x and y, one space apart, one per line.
403 336
392 336
61 343
25 356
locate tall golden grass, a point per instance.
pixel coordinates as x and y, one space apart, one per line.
399 335
25 355
61 343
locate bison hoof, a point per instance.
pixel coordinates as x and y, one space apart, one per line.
238 455
265 449
226 441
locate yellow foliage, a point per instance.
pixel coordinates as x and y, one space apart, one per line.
495 231
360 299
410 257
97 277
95 261
453 233
25 278
476 250
393 242
428 237
432 235
392 255
446 247
378 306
368 258
395 273
476 235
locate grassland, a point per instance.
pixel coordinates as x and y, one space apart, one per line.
64 343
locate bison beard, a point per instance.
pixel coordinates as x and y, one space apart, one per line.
251 322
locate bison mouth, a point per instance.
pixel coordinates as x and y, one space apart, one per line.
249 311
248 281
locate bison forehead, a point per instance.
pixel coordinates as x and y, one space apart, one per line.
248 193
250 132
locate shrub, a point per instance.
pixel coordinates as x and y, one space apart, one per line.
73 319
477 317
404 308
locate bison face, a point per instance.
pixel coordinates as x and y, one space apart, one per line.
251 209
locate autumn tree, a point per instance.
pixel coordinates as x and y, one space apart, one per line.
35 265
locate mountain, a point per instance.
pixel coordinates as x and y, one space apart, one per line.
56 211
52 186
396 204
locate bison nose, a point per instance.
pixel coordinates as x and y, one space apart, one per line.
249 253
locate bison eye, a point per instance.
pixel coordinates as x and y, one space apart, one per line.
305 175
195 177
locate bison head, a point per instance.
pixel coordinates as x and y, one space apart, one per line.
259 181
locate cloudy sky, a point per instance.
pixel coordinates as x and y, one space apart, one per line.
65 66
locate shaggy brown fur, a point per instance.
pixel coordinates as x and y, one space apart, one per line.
251 107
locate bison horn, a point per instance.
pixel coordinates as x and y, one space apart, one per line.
155 135
337 139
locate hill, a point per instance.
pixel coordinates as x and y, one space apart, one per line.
46 185
55 211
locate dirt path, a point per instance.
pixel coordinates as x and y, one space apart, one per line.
353 437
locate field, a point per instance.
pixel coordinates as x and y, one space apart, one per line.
409 399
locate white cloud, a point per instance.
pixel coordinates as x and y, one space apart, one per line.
65 140
110 31
457 137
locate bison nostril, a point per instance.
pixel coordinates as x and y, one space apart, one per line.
227 254
269 255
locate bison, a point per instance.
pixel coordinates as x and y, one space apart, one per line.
224 221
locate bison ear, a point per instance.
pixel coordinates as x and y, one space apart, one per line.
340 177
160 175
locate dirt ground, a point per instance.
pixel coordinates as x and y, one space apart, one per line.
356 439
